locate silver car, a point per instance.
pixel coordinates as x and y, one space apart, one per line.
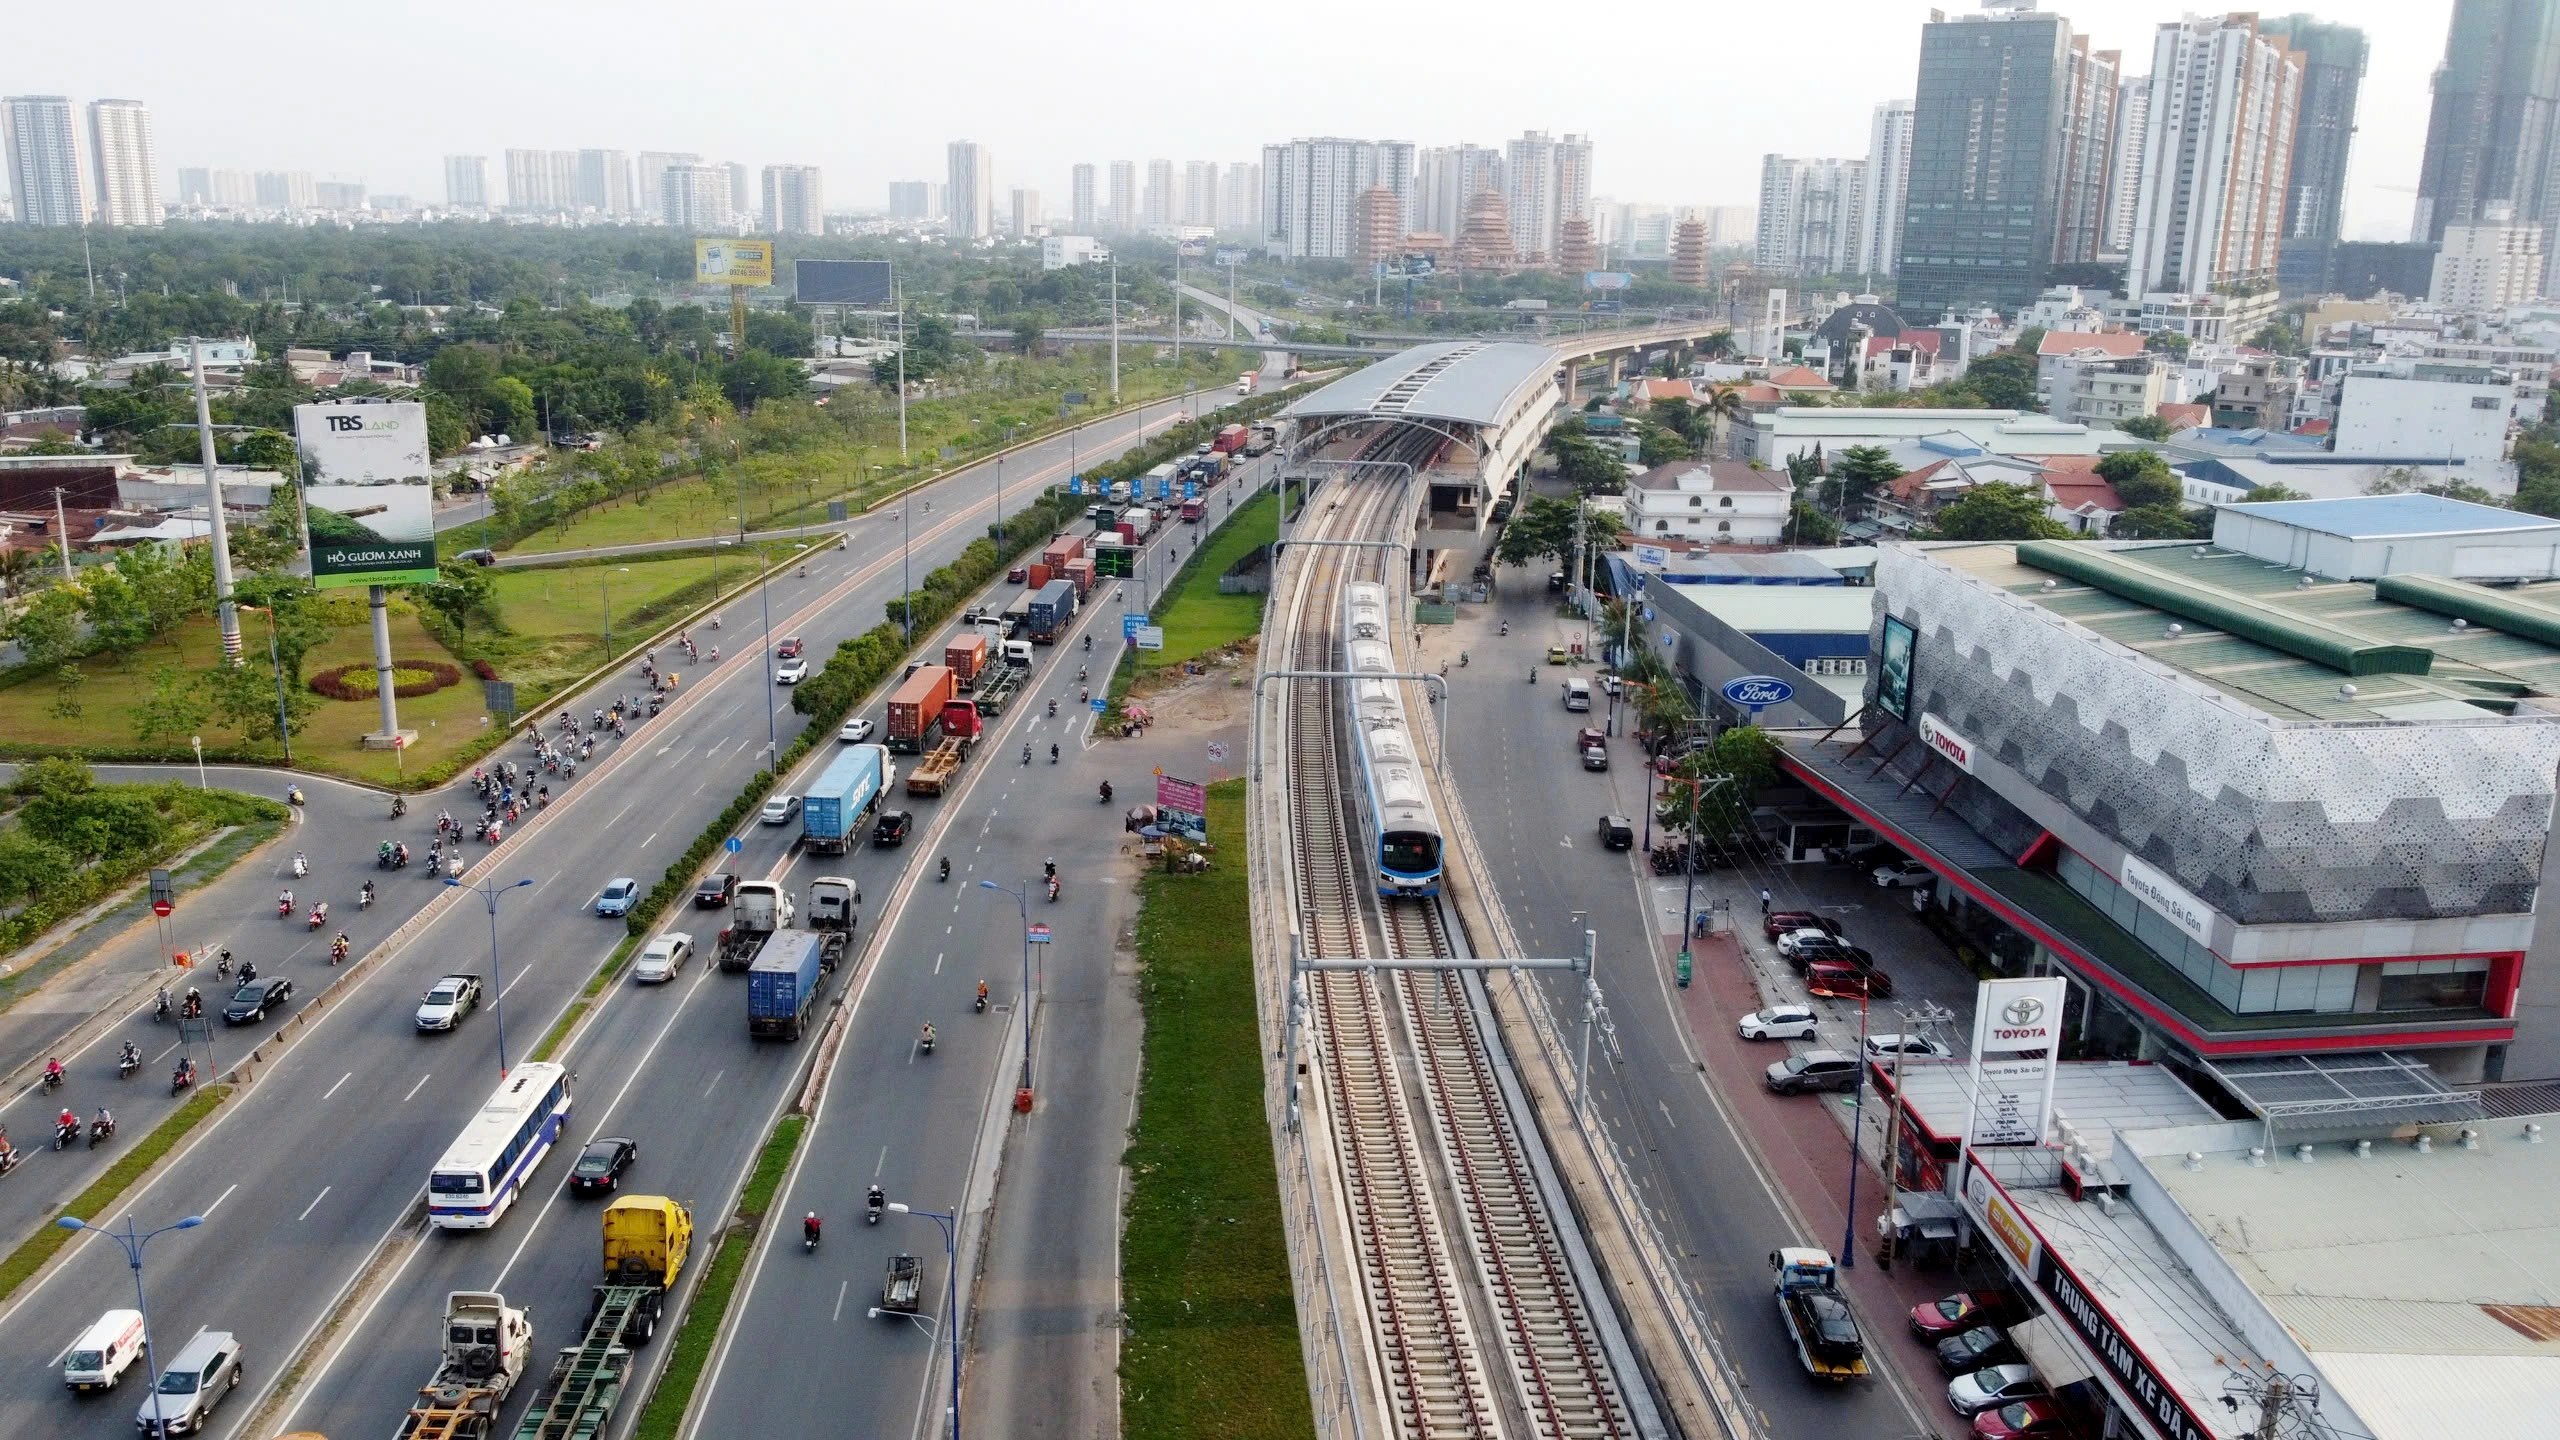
663 957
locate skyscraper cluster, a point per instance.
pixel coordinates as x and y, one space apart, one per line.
663 187
65 172
1313 204
1165 198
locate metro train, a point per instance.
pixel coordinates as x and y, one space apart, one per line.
1399 823
1364 609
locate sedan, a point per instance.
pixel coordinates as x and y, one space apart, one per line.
601 1164
1990 1389
791 672
1778 1022
662 958
855 731
1810 938
1962 1311
1909 1047
251 1002
1594 758
1978 1347
780 810
1808 951
618 897
2023 1420
1847 980
715 891
1813 1070
789 649
1903 873
1779 922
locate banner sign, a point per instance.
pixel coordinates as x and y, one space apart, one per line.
1652 555
2008 1108
1150 637
1950 745
1185 795
2008 1229
2171 900
1758 691
1607 280
732 262
2010 1016
370 492
2163 1409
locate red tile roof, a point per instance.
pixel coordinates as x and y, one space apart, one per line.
1903 487
1660 389
2075 494
1761 392
2312 427
2186 417
2115 342
1797 377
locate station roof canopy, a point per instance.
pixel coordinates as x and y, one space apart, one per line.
1470 382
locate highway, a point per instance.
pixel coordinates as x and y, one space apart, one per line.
324 1157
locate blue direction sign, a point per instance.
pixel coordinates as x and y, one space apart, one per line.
1075 484
1099 704
1131 622
735 845
1190 489
1756 692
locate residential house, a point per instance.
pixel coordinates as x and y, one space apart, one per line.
2081 501
2059 345
1720 502
2094 387
2258 394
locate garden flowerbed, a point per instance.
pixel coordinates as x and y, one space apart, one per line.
409 679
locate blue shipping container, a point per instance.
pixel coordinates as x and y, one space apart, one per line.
782 986
832 810
1052 609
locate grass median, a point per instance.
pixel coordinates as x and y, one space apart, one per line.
709 1308
1212 1346
22 1263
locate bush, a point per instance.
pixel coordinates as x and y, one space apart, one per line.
484 669
409 679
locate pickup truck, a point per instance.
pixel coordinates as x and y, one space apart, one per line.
903 1287
447 1001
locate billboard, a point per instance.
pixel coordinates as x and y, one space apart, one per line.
733 262
1232 254
2017 1041
840 282
1417 264
1893 685
1606 280
369 488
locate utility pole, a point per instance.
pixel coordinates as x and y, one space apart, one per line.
62 529
2272 1405
225 611
897 298
1177 301
1115 329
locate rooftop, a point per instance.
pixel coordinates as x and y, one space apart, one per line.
2392 517
1788 609
1729 476
2070 342
1471 382
2096 1098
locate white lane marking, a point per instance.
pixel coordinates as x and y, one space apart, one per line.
1666 1114
841 1287
618 814
880 1164
163 1055
714 1085
521 972
652 836
342 1080
937 960
217 1202
414 1089
315 1203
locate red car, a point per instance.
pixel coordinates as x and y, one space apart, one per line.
1019 575
1943 1319
1846 980
2023 1420
1779 922
789 649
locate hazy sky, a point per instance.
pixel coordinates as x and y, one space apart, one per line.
1681 100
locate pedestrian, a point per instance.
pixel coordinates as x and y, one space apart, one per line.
1764 902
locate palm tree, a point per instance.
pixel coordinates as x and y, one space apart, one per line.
1722 403
1716 346
20 571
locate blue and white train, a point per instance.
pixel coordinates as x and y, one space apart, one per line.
1401 827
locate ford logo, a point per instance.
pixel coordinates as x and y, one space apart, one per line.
1757 691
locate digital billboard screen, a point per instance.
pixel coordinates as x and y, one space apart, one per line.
840 282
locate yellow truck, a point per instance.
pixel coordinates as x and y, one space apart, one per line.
646 1240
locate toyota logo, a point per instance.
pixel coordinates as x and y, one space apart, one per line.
2022 1012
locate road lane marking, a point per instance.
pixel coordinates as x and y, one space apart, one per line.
714 1085
414 1089
841 1287
342 1080
165 1054
521 972
315 1203
652 836
880 1164
217 1202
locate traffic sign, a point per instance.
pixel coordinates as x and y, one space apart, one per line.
735 845
160 908
161 886
1039 935
1150 637
1099 704
1131 622
1217 750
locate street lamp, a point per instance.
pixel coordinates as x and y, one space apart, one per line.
131 1242
1022 902
1857 1118
198 742
951 1318
604 591
489 891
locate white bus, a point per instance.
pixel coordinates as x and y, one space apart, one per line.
484 1171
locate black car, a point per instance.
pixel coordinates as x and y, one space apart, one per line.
1981 1346
715 891
601 1164
251 1002
892 829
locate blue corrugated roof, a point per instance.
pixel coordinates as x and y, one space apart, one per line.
2384 517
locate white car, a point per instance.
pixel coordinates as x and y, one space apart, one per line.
1903 873
791 671
1909 1047
447 1001
855 731
780 810
662 958
1778 1022
1809 939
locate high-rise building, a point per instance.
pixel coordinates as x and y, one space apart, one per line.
940 209
1200 193
910 200
604 182
1375 236
44 160
649 179
340 195
2124 165
739 201
529 182
2333 59
2219 144
794 200
220 189
286 190
1081 199
1529 192
1446 177
122 163
2009 121
1240 197
694 197
1878 243
1810 215
1729 224
564 180
1025 215
2483 269
466 182
1123 214
1311 191
1159 204
1573 181
971 200
2493 132
195 185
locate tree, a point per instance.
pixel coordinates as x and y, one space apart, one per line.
1710 793
780 333
1722 405
2146 427
1998 511
1680 418
21 571
2030 339
1661 447
2167 342
2141 478
2160 522
2277 337
2006 380
47 630
1860 471
506 408
1584 465
67 681
1808 526
461 587
2266 493
1543 529
179 705
267 450
757 376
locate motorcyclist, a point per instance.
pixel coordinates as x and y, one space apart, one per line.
1026 752
194 1004
67 1120
249 973
1053 709
301 864
399 806
809 1227
185 1074
53 1072
106 1121
284 901
131 1056
982 999
365 898
338 948
1506 627
946 867
1088 644
875 1199
160 1006
1053 752
1081 675
928 1033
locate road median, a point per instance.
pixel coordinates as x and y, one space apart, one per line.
708 1310
32 1255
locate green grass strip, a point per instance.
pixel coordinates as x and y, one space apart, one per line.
23 1262
709 1309
1211 1351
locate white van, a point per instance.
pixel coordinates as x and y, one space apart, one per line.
1577 694
98 1358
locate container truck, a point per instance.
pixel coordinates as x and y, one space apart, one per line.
1160 480
1001 682
915 711
1230 439
1824 1333
760 909
831 902
646 1239
486 1347
1079 573
1263 438
1051 610
1017 615
783 986
1193 510
832 811
1248 382
1042 572
966 655
935 770
1062 550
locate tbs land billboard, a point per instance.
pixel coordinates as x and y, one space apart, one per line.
370 492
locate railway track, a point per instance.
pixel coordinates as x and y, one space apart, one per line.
1453 1241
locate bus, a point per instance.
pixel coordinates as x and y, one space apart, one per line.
484 1171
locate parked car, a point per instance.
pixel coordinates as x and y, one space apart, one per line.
1778 1022
1957 1313
447 1001
1810 937
251 1002
1847 980
715 891
1990 1389
2024 1420
1617 832
1981 1346
789 649
791 672
1813 1070
855 731
780 810
662 958
601 1164
618 896
1902 873
1779 922
1909 1047
1808 951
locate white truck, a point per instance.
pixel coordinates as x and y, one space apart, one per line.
761 908
486 1343
1248 382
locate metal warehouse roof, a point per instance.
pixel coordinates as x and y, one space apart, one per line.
2392 517
1473 382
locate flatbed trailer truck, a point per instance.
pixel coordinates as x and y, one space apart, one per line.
935 771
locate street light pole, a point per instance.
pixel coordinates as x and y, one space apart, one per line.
198 742
489 891
950 1224
1857 1118
131 1242
1022 902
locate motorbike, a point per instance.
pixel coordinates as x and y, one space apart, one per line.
364 898
399 806
319 915
182 1077
126 1064
1053 709
52 1081
1026 754
222 966
284 908
946 869
1506 627
1106 792
338 952
926 1044
160 1009
871 1213
64 1133
1462 659
100 1130
808 1239
980 1005
1533 674
301 866
194 1008
1053 889
10 1155
1053 754
1088 644
293 796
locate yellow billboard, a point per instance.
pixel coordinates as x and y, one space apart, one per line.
733 262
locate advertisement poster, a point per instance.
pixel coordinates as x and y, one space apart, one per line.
733 262
370 492
1893 684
